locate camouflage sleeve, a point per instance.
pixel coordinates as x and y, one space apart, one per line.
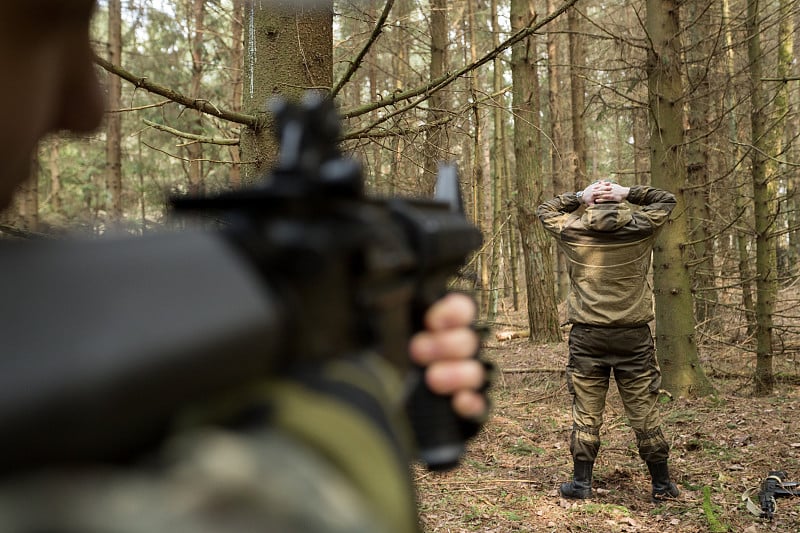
324 453
555 212
207 481
657 204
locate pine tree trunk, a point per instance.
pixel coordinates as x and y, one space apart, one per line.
764 206
675 336
114 119
237 58
577 66
497 176
536 245
288 50
194 150
559 181
698 59
435 137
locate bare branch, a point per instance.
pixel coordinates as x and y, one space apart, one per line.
222 141
355 64
204 106
445 80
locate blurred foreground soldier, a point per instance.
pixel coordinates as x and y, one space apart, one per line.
608 248
324 462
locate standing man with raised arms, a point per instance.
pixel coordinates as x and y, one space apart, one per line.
608 248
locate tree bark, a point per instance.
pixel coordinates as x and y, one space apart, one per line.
675 336
536 245
114 119
764 206
194 150
435 137
698 198
577 68
288 51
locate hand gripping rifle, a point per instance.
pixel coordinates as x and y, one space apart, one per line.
104 341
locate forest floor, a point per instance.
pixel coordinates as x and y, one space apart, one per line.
722 446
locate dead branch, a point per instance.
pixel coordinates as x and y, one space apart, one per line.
446 79
515 334
203 106
355 64
223 141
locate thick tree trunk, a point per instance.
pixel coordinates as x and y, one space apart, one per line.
675 336
536 245
288 50
698 198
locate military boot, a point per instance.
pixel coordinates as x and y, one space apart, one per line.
663 488
581 485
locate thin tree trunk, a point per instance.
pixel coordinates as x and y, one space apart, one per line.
435 139
237 58
764 196
288 50
558 182
497 177
114 119
743 207
195 149
577 66
697 193
478 174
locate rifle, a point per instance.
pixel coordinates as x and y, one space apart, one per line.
105 341
775 486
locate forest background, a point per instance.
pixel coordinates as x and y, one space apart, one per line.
530 99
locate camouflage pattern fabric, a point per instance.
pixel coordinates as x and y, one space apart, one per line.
596 352
315 464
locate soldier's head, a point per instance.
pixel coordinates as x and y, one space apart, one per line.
49 80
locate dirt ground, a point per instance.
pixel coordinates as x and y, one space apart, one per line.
722 446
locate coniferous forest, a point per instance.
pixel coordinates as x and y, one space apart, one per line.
530 99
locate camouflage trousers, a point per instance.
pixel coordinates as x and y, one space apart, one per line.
594 352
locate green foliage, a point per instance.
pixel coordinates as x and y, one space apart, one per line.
714 525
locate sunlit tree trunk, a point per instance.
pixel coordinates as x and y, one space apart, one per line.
698 198
536 246
675 337
577 65
194 150
435 137
114 119
288 50
764 205
237 59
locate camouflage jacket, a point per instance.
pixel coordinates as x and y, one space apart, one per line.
608 247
